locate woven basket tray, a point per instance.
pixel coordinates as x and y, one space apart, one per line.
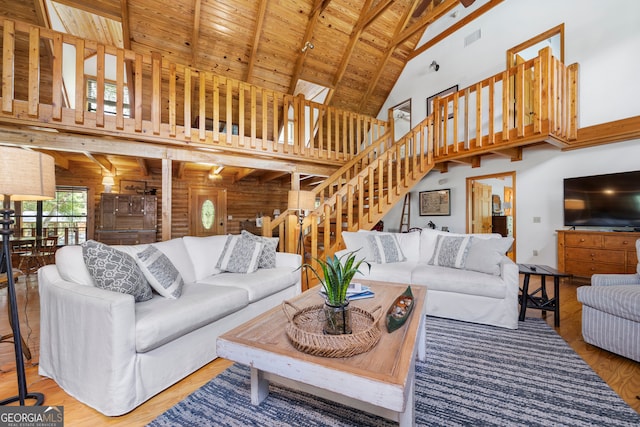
305 331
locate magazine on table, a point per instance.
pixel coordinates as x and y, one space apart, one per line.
356 291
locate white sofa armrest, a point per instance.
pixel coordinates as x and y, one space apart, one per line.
87 338
285 259
615 279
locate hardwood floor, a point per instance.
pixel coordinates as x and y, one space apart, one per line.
622 375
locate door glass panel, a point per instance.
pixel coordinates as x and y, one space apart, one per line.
208 214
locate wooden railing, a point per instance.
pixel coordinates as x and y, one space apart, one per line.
168 102
534 101
539 97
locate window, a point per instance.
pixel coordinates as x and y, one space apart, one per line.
110 97
65 216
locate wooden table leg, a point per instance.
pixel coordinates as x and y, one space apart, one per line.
524 296
556 297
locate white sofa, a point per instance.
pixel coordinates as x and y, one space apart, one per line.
112 353
482 289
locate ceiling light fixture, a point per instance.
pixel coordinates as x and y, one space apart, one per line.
307 45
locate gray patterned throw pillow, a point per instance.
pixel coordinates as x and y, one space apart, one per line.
385 248
451 251
239 255
269 245
115 271
160 272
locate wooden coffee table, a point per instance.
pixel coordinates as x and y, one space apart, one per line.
380 381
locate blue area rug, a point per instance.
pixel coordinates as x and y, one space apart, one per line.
473 375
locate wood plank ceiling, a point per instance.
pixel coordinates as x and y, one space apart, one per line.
354 48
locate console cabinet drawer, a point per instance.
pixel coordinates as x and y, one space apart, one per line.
596 255
620 242
583 241
586 269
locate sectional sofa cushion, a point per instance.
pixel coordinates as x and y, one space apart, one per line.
485 255
451 251
204 253
239 255
258 285
438 278
163 320
268 254
115 271
71 266
385 248
160 272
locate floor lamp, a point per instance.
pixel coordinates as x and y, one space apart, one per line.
24 175
301 201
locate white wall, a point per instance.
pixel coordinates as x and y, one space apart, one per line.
602 39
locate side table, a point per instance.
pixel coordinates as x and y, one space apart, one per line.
541 301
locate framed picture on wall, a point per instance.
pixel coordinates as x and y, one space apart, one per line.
435 203
452 89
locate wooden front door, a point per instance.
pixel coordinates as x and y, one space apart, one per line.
208 211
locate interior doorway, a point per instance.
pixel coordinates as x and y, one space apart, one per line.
491 205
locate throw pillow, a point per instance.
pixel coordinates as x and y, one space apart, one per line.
160 272
385 248
485 255
269 245
451 251
115 271
240 255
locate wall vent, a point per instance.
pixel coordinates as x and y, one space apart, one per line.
472 37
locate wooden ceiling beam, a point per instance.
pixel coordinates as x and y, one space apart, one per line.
101 161
430 16
144 166
373 83
317 9
195 35
473 161
262 11
346 55
245 172
181 168
59 158
515 153
271 176
455 27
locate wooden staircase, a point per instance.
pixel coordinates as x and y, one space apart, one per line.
360 193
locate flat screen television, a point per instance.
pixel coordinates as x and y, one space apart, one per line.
611 200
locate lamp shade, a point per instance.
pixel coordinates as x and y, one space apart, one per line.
108 180
26 175
301 200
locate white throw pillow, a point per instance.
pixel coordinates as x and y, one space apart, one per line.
269 245
115 270
357 241
160 272
240 255
385 248
485 255
451 251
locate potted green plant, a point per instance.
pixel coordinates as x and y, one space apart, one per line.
337 273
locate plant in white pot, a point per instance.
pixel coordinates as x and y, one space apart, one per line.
337 273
